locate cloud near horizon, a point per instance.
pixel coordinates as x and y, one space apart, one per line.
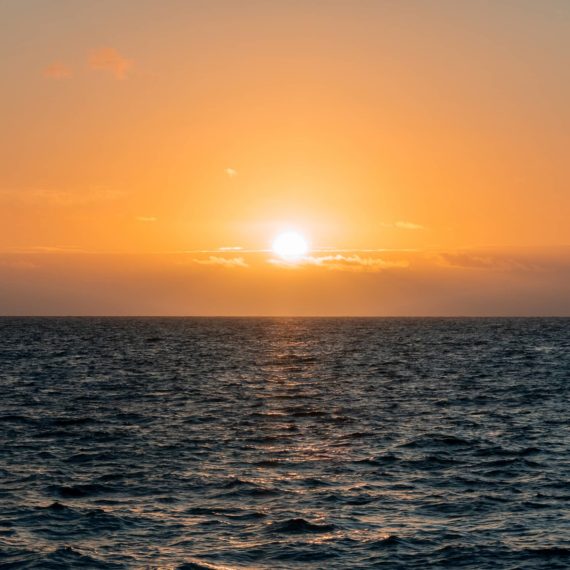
490 261
63 280
229 262
340 262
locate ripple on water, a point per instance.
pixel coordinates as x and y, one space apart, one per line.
280 443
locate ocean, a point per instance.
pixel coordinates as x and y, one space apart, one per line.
281 443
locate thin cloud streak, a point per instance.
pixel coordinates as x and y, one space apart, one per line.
43 249
408 226
403 225
36 196
328 250
232 262
354 263
486 261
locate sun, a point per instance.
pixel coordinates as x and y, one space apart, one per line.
290 246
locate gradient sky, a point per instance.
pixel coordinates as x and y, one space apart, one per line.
421 146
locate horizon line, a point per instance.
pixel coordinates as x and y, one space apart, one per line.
281 316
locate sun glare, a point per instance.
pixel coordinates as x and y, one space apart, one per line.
290 246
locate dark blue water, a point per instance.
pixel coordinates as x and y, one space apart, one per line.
285 443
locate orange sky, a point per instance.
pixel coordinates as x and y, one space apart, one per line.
140 137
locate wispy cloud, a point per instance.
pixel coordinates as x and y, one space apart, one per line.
229 262
57 70
408 226
402 225
43 249
354 263
109 59
55 197
231 172
146 219
231 248
486 260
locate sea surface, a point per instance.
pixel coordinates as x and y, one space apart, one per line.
284 443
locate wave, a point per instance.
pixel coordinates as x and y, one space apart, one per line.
300 525
187 444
